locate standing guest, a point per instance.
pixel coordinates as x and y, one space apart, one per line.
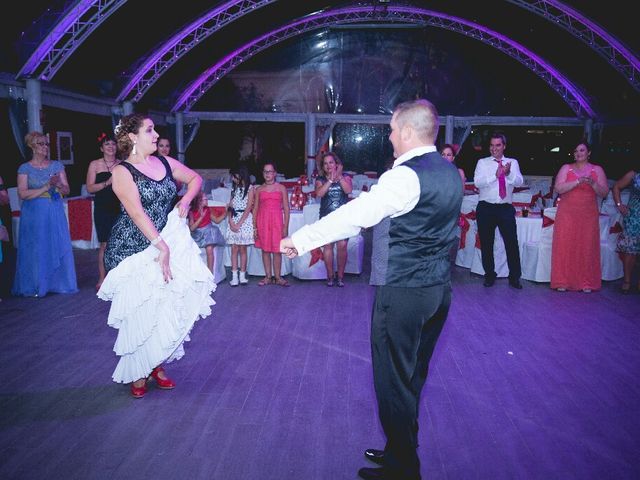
164 147
45 257
204 233
575 248
4 200
449 153
629 240
333 189
495 177
380 244
152 310
271 224
106 206
422 194
240 232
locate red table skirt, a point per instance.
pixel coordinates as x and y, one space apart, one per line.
80 218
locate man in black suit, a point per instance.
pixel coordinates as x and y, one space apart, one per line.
422 194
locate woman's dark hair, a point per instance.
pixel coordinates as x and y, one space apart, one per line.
105 137
128 124
582 142
243 172
195 201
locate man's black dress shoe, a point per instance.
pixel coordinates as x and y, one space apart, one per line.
515 284
376 456
372 473
488 282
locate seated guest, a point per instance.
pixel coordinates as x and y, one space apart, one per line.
333 188
575 251
45 257
4 200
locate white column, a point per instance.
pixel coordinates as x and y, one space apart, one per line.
34 104
180 135
588 129
448 130
127 107
310 136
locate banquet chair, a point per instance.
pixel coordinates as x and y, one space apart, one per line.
220 195
536 256
610 262
466 250
14 205
317 271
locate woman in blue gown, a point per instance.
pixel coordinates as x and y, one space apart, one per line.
45 257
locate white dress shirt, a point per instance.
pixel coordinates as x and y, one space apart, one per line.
486 181
396 193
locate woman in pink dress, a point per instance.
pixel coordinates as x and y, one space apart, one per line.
575 253
271 217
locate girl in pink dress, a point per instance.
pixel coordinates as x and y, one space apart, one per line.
575 252
271 217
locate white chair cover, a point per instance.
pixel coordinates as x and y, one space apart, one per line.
610 263
536 256
221 194
14 204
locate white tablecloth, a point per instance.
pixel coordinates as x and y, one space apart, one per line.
254 255
529 229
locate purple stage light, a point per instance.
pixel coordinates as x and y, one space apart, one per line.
569 93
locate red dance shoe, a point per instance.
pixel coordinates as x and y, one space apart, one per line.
164 383
138 392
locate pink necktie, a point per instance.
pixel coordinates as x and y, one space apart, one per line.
502 182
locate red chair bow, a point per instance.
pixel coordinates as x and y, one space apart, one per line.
535 199
617 228
463 221
547 221
316 255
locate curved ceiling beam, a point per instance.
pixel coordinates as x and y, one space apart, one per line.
590 33
569 93
182 42
68 34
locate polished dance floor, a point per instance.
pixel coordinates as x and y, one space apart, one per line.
277 384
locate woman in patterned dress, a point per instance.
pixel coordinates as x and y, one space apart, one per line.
333 189
240 232
158 284
629 240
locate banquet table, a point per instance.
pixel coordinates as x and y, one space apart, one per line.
529 230
80 217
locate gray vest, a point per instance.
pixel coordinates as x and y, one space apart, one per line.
420 240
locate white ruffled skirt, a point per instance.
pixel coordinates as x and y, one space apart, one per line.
154 318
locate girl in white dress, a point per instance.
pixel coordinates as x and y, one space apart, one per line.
240 232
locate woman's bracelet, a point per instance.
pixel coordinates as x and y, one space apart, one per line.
156 240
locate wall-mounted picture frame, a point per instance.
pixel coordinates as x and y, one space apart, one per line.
64 147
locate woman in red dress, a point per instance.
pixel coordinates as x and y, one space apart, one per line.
271 224
575 253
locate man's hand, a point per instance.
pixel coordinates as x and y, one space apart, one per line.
507 168
288 248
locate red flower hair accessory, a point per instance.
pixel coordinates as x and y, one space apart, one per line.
101 138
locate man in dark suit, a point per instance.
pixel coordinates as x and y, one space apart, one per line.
422 194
